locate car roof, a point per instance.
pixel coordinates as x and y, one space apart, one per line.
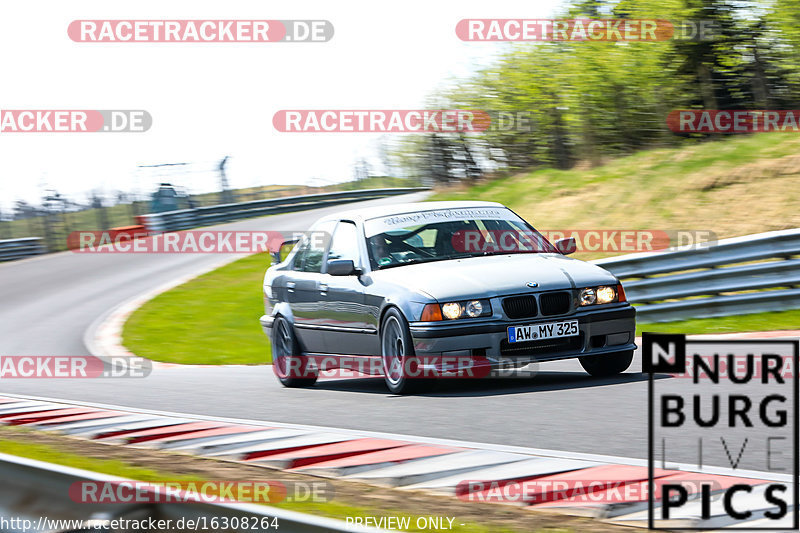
366 213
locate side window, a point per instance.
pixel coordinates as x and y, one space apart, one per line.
300 256
316 243
312 248
345 243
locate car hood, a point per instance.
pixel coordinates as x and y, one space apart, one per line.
496 275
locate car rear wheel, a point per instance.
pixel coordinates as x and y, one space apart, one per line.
606 365
397 354
287 363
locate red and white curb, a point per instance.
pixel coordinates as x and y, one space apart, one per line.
406 463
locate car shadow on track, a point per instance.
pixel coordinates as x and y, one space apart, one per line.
542 382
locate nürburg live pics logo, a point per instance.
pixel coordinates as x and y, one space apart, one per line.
725 413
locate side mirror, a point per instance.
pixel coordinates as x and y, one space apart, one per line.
566 246
342 267
278 254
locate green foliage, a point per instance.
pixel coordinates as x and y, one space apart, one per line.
590 100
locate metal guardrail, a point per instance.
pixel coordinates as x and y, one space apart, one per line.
34 489
11 249
205 216
710 281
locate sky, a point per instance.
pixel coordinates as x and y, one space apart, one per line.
210 100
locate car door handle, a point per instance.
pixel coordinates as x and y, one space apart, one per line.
323 288
290 286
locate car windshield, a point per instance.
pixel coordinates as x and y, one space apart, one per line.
443 234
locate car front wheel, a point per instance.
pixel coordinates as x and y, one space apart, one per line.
288 364
611 364
397 354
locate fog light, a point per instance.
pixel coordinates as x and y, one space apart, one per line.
451 310
606 295
588 297
474 308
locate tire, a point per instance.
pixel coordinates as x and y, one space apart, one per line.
397 354
287 363
606 365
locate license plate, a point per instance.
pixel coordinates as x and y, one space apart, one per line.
550 330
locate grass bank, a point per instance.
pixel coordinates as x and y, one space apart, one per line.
737 186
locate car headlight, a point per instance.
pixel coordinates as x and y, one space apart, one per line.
451 310
456 310
588 296
604 294
474 308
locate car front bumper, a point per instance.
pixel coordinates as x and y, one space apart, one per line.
605 330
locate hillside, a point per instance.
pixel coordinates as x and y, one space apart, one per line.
733 187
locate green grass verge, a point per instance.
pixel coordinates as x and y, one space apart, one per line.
781 320
49 454
331 509
212 319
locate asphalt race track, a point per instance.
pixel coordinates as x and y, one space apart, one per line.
48 303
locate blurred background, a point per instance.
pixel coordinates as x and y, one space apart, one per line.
588 106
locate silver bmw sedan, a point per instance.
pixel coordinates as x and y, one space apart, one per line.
433 290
